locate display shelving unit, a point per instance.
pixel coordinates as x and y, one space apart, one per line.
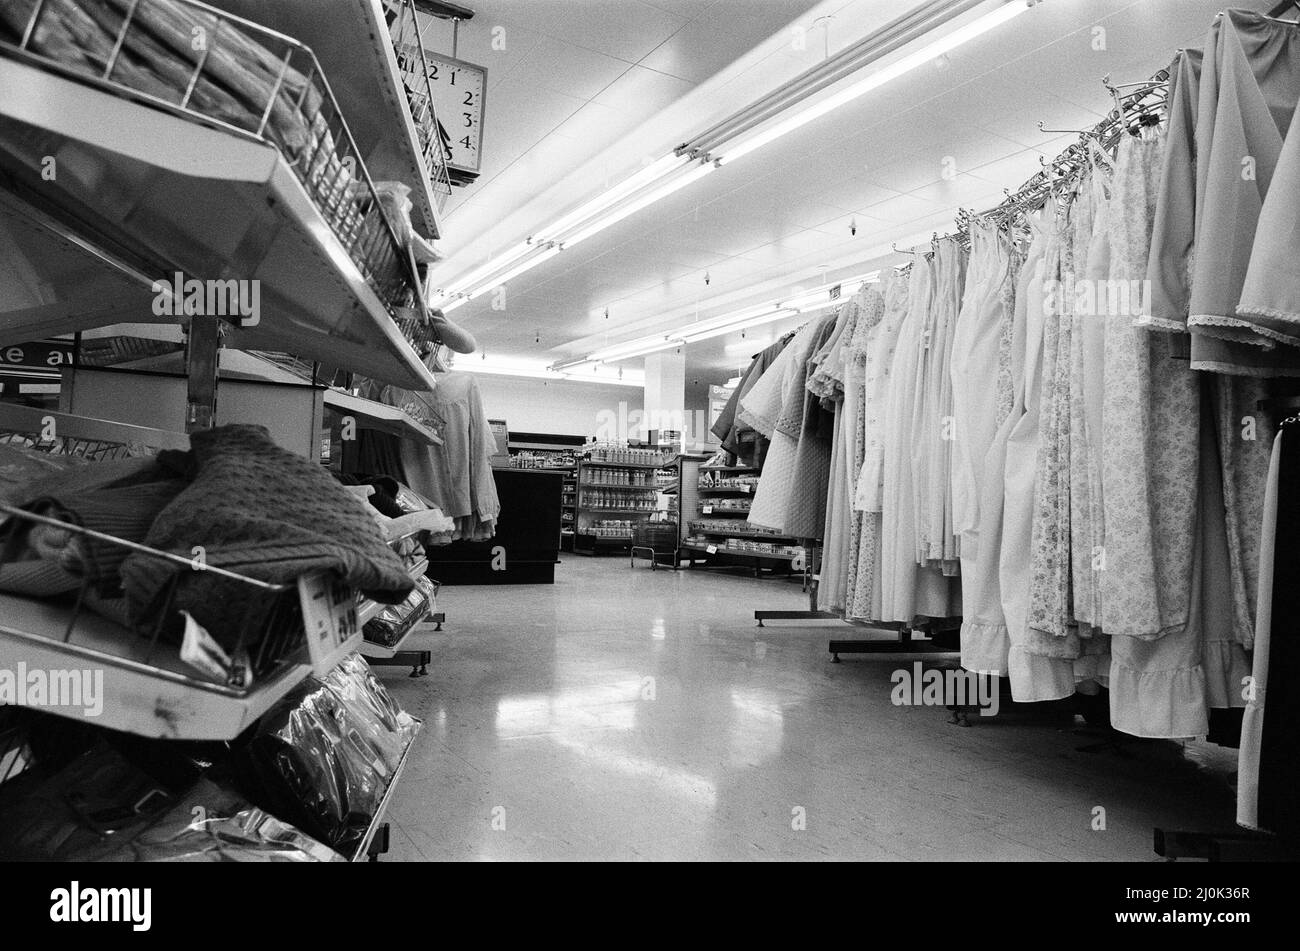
154 693
713 494
569 507
362 45
207 196
164 177
601 476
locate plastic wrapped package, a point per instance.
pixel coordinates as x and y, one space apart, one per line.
323 760
395 620
214 824
85 811
360 690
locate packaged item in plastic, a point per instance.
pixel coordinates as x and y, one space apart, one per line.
395 620
324 759
214 824
83 812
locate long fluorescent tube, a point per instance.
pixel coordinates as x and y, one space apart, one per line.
724 327
636 348
505 259
803 114
648 198
526 265
744 319
525 370
648 175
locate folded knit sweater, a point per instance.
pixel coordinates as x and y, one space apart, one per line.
262 511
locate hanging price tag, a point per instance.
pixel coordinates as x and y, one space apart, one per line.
712 549
329 616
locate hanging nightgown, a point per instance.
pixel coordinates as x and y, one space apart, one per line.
1250 83
871 306
813 426
829 382
1051 630
1095 296
1150 471
939 543
760 409
980 342
907 589
876 351
1033 677
777 410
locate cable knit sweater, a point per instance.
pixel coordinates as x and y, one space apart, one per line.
260 510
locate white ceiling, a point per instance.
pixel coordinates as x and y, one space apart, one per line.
588 90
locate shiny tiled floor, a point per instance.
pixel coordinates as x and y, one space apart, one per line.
630 714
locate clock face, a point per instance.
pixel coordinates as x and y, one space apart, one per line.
459 91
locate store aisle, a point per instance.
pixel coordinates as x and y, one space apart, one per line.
605 718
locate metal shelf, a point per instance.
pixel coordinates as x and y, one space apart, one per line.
721 550
367 609
355 48
751 535
147 190
381 416
360 854
370 649
592 464
158 699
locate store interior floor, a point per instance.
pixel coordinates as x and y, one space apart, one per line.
624 713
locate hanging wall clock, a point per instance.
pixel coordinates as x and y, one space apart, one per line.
459 96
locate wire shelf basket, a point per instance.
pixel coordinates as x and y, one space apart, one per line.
404 27
192 60
89 620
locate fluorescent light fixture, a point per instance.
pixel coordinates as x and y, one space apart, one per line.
505 259
651 173
632 207
635 348
784 110
744 319
526 265
610 376
724 327
802 114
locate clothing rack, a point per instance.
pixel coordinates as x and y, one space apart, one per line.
1143 106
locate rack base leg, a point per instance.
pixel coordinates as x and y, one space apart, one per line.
1174 844
761 616
901 646
418 661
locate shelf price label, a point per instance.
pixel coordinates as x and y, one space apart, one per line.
329 617
711 549
707 510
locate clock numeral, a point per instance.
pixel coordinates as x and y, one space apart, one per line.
433 71
469 99
469 120
465 142
453 77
